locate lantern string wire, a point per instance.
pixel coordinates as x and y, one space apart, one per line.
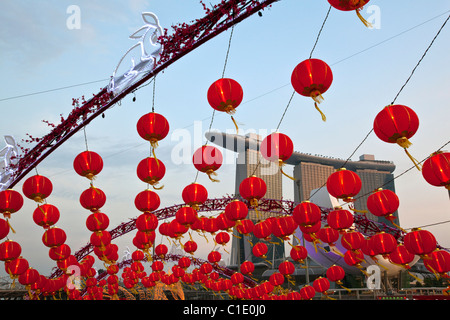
420 60
320 31
154 89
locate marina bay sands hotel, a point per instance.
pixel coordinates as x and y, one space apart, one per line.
309 171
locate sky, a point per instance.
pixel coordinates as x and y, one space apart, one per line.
41 54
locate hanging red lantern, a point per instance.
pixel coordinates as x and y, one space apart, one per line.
252 189
29 277
68 262
321 285
146 222
100 239
401 256
438 262
277 147
420 242
276 279
383 243
306 213
147 201
11 201
16 267
88 164
144 240
436 169
151 170
97 221
352 240
286 268
340 219
335 273
210 225
225 95
397 124
383 203
190 246
247 267
236 210
206 268
208 159
214 257
312 78
222 238
351 5
152 127
354 258
262 229
4 228
176 229
60 252
344 184
260 250
161 250
9 250
307 292
37 188
46 215
54 237
283 227
194 195
237 278
298 253
245 227
223 223
186 216
328 235
92 199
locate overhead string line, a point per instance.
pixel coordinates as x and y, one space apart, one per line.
393 101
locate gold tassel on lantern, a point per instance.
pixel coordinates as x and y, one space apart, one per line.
317 97
366 23
281 164
405 144
211 173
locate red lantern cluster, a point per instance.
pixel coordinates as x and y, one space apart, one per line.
312 78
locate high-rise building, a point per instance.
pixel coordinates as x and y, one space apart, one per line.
310 173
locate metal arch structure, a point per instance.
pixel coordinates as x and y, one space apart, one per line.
184 39
363 224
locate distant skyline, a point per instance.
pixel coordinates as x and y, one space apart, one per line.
42 54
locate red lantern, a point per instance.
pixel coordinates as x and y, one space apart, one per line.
321 285
88 164
252 189
210 225
4 229
190 247
66 263
206 268
286 268
186 216
152 127
263 229
383 243
176 229
92 199
223 223
100 239
237 278
283 227
37 188
147 200
328 235
401 256
335 273
306 214
46 215
208 159
307 292
236 210
16 267
397 124
259 250
276 279
277 147
247 267
352 240
354 258
340 219
11 201
298 253
436 169
9 250
214 257
54 237
245 226
420 242
344 184
351 5
151 171
60 252
438 262
97 221
161 250
225 95
194 195
383 203
222 238
312 78
142 240
29 277
146 222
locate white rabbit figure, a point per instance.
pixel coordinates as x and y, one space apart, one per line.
151 31
7 155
